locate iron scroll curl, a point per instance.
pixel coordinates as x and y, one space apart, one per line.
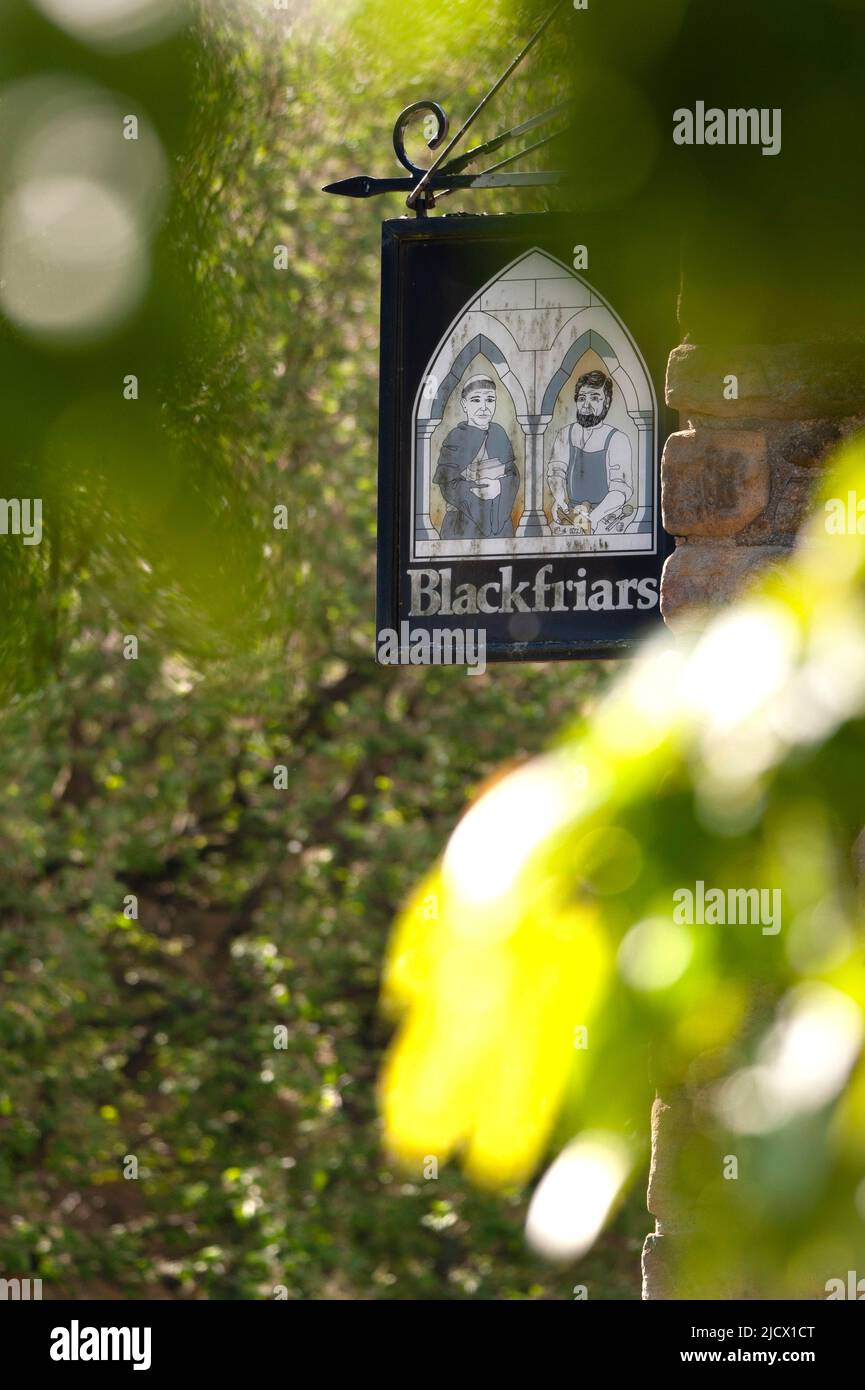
432 108
444 176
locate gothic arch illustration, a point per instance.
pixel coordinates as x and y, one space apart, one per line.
480 344
534 322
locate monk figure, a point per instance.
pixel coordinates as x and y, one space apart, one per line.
476 470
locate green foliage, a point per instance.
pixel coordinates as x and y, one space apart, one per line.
257 909
152 1037
567 898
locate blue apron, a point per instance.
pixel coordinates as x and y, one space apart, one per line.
587 479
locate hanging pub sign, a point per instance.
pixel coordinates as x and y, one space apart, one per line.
521 426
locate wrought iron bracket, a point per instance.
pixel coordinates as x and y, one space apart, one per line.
442 178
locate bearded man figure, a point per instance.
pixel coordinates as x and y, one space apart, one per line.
590 467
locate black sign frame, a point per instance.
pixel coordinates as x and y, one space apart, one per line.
431 269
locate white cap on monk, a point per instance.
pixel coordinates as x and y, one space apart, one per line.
483 376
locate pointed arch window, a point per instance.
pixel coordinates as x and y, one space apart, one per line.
533 333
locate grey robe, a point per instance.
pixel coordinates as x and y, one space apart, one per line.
470 517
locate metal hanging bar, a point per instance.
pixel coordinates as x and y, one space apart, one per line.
365 186
455 166
442 183
479 180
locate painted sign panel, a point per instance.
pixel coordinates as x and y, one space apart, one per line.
520 438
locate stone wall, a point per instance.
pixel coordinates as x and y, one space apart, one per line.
737 480
677 1216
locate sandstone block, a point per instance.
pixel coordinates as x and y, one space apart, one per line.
701 576
659 1280
786 381
713 482
795 502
